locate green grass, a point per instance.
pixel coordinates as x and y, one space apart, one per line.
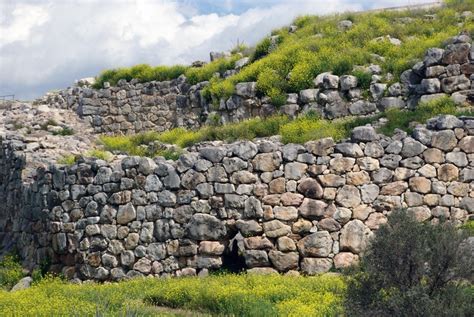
67 160
146 73
318 46
141 72
64 131
300 130
137 144
469 227
10 271
404 119
237 295
301 56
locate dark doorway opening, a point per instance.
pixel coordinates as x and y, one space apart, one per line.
232 259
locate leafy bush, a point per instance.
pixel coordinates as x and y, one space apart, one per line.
413 269
363 79
312 127
261 49
10 271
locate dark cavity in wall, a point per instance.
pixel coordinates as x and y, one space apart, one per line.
232 260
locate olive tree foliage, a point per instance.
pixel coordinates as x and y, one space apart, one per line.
414 269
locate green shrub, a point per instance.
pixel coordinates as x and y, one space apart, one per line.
99 154
363 79
412 269
301 55
469 227
10 271
206 72
402 119
64 131
342 67
306 129
180 137
261 49
142 72
68 160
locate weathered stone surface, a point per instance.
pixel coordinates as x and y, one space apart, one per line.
313 266
420 184
254 258
284 261
275 229
448 172
354 236
310 188
321 147
349 149
444 140
295 170
348 196
331 180
267 162
205 227
126 213
286 244
329 224
311 208
364 134
467 144
412 147
249 227
285 213
22 284
318 244
344 260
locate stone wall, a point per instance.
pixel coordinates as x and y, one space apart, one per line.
24 211
135 107
269 206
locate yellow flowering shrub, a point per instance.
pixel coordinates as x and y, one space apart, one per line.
237 295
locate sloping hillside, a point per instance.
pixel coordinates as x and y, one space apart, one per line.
289 59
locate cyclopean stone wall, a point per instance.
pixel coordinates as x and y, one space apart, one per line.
135 107
268 206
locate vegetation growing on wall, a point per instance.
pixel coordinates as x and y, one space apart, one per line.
305 128
290 61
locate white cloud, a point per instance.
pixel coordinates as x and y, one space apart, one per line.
48 44
24 18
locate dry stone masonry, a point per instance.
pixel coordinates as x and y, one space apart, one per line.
269 206
260 205
135 107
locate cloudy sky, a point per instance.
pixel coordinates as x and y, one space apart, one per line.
47 44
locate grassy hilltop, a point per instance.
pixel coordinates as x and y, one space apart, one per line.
288 61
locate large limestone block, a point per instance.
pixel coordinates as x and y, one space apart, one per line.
318 244
355 236
205 227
